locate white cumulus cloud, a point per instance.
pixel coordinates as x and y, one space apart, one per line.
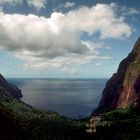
69 4
129 11
55 42
37 4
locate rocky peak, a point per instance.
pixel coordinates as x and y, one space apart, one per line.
123 88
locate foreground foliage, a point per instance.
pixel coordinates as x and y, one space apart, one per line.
123 124
19 121
25 122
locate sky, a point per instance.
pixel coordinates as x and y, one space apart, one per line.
66 38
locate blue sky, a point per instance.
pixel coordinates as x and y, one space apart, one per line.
66 39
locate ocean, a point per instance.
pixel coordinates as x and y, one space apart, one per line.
74 98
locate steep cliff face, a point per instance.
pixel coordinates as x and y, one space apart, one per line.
10 88
123 89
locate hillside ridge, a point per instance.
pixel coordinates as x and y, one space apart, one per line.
123 88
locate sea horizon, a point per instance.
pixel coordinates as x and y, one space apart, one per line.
70 97
49 78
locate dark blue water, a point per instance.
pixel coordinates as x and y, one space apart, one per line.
69 97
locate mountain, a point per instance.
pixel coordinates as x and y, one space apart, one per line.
123 88
11 89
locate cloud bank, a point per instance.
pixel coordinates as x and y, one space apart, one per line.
55 42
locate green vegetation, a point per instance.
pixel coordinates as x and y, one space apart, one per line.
120 114
123 124
22 122
33 124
